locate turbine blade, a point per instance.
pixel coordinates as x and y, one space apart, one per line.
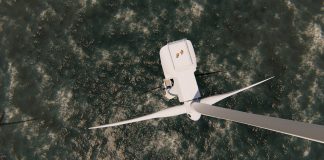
213 99
169 112
308 131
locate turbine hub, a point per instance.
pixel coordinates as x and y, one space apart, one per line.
191 112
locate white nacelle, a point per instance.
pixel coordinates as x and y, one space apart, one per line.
178 61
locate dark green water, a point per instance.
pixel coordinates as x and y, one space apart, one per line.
76 64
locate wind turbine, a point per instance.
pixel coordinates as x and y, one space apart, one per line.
178 61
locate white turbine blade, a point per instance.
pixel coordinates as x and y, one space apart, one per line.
213 99
169 112
308 131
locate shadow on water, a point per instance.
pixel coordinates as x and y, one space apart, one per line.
12 123
17 122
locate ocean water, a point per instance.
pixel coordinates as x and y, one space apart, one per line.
71 65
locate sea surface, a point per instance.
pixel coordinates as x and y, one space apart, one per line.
70 65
